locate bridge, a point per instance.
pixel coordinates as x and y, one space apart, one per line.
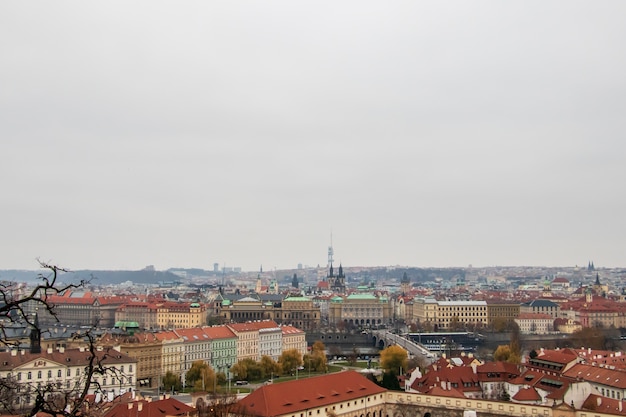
383 339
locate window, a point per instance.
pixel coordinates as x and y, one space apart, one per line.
19 376
38 374
59 373
49 374
30 375
69 372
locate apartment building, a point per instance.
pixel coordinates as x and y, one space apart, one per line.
443 315
65 371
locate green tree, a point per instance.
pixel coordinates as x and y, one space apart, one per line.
289 360
171 381
393 359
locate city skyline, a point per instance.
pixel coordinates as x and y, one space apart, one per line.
418 134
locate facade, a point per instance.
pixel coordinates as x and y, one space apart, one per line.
247 340
299 312
535 323
65 371
197 346
501 311
172 352
294 338
146 349
444 315
162 314
336 283
360 310
78 309
270 339
142 313
223 348
542 307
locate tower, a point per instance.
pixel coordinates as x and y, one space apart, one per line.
35 337
331 252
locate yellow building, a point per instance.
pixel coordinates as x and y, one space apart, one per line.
445 315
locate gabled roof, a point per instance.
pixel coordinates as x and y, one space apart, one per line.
161 408
527 394
296 396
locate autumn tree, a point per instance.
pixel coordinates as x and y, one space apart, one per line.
269 366
505 353
290 359
201 377
394 358
589 337
171 381
248 369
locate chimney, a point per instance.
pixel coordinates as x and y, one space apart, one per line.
22 352
139 406
599 401
49 351
81 349
13 352
619 406
474 367
62 349
589 351
130 405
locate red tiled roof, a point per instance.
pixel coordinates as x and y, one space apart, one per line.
161 408
219 332
604 405
295 396
452 392
527 394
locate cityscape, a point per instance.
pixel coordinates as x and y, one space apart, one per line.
312 209
529 336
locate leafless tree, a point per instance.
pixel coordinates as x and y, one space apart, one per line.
49 396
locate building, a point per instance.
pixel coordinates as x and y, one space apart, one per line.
146 349
172 351
501 312
542 307
300 312
293 338
338 394
162 314
64 371
336 283
363 310
535 323
446 315
270 339
247 340
223 347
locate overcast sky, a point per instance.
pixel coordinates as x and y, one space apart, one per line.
180 134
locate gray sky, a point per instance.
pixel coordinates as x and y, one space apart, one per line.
421 133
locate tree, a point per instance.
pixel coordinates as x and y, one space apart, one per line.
22 311
171 381
505 353
588 337
394 358
290 359
248 369
269 366
201 377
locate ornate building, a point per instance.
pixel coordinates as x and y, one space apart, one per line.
360 310
337 283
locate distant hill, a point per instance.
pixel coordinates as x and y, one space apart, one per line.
97 277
